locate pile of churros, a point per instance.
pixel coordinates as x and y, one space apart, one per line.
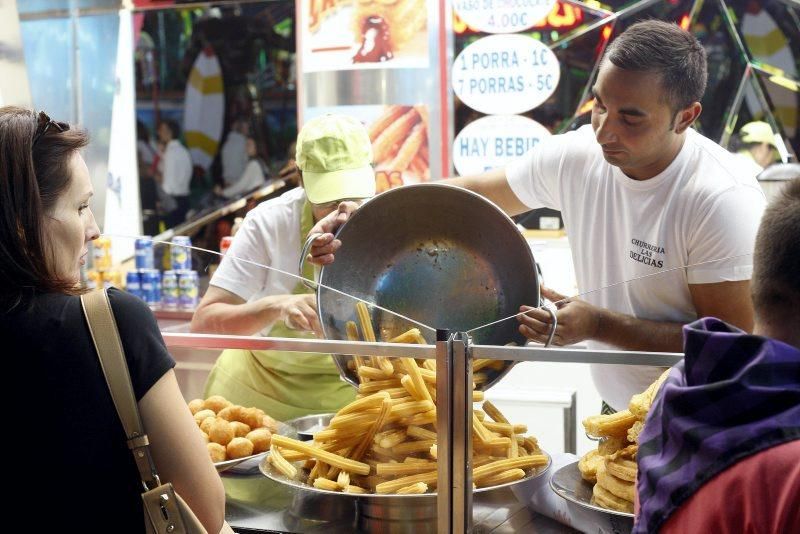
232 431
400 146
385 441
612 466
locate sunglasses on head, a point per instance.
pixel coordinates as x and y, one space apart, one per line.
44 122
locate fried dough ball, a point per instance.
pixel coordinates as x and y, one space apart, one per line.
231 413
205 426
634 431
216 403
220 431
205 437
610 445
252 417
240 429
615 424
200 416
196 405
261 438
589 464
217 452
239 448
640 403
606 499
270 423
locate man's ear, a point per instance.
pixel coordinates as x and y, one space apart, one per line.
686 117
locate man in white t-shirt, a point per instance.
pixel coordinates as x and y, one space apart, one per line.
175 174
641 193
334 156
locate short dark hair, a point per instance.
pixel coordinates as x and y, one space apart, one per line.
173 127
672 52
33 175
776 264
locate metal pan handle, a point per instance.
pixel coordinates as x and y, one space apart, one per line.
306 247
552 332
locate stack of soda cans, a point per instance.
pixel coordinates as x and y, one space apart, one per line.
102 274
179 285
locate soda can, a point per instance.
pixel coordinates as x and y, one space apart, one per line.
133 284
225 244
144 253
181 256
151 286
188 289
169 290
101 252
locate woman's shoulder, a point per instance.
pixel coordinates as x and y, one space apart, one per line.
128 307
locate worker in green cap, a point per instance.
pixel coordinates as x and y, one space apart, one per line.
334 156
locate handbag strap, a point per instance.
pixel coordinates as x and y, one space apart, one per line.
105 336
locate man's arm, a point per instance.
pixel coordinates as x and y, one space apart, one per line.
578 320
494 186
728 301
223 312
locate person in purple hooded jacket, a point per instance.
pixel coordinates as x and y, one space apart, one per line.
720 450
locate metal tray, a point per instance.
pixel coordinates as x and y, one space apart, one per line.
568 484
438 254
305 427
268 471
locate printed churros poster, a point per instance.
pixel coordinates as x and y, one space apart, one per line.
363 34
399 135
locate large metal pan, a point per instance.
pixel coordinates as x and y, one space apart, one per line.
436 253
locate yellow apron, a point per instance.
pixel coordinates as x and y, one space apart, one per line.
283 384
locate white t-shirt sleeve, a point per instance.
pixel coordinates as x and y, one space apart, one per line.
241 278
536 178
726 229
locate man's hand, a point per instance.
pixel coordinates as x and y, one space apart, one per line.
325 246
577 320
299 312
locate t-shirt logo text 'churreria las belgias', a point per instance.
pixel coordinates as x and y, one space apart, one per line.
646 253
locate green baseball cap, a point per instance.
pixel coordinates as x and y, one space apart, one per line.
757 132
335 155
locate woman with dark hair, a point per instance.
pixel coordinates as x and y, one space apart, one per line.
71 444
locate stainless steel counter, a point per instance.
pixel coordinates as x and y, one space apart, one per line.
258 504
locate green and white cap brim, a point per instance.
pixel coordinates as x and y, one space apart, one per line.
325 187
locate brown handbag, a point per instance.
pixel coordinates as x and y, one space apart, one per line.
164 510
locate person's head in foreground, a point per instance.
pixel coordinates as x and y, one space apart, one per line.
775 285
46 221
334 155
647 94
719 448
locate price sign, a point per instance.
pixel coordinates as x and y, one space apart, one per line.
493 141
502 16
505 74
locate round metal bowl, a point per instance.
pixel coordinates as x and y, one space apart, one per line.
438 254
